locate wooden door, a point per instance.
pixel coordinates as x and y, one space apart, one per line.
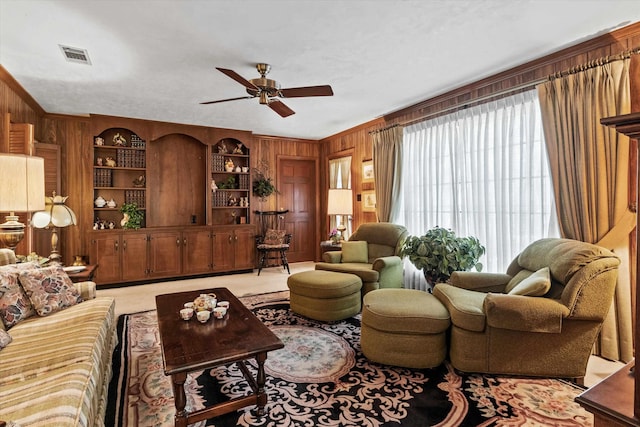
105 252
134 256
245 248
297 183
197 251
165 253
223 248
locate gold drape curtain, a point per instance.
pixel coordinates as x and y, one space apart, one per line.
387 164
590 170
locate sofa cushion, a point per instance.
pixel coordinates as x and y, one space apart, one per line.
49 289
535 285
355 252
5 339
465 307
14 302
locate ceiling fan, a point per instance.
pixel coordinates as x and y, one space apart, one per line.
269 90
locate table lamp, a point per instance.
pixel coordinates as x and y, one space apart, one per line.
340 203
21 190
56 214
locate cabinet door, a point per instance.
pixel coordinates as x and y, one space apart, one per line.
197 252
105 252
223 249
165 249
134 256
245 248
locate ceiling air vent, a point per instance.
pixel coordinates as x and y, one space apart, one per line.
73 54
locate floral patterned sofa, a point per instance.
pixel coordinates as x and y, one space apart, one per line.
56 345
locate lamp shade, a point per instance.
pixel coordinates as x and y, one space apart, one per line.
340 201
21 183
55 214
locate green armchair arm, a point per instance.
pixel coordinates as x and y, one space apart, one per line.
523 313
390 270
481 282
334 257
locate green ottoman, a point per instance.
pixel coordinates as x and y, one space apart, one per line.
404 327
325 295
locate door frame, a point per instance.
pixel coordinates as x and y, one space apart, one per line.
316 211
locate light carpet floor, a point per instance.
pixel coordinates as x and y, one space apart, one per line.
133 299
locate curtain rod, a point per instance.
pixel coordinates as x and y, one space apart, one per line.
518 88
383 129
522 87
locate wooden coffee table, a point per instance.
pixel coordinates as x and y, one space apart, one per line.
191 346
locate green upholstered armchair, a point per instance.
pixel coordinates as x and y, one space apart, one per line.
500 327
375 260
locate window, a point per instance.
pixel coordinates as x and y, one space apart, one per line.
340 177
484 172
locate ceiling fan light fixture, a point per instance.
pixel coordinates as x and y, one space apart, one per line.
264 99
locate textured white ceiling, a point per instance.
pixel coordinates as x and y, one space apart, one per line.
156 59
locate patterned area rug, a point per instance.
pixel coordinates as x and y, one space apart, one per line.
321 378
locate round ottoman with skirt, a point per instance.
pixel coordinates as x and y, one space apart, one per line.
325 295
404 327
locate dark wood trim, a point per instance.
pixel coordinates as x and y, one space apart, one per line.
20 91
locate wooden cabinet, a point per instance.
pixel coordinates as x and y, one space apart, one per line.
197 253
121 256
165 253
233 247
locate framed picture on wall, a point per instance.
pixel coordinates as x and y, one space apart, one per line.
369 201
367 171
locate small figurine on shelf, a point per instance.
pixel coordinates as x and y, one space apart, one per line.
111 203
232 201
124 220
111 162
98 161
222 149
119 140
139 181
238 149
111 225
214 187
228 165
98 141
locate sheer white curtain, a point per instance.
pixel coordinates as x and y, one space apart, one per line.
484 172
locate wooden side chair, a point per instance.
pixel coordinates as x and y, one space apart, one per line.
273 241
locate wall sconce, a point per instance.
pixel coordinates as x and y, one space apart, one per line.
56 214
21 190
340 203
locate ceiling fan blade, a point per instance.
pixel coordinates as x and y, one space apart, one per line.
237 77
297 92
225 100
280 108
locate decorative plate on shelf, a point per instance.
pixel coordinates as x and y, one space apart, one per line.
74 268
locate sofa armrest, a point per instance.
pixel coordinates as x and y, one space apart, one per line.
482 282
523 313
87 290
334 257
390 269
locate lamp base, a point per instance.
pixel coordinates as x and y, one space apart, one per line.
11 232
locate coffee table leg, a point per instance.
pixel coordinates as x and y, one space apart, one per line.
261 379
180 398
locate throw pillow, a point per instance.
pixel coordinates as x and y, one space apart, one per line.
536 285
274 237
5 339
14 303
49 289
356 251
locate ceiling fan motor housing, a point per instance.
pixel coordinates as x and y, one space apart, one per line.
268 86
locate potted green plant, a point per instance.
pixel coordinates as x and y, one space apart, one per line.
133 216
439 252
262 185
